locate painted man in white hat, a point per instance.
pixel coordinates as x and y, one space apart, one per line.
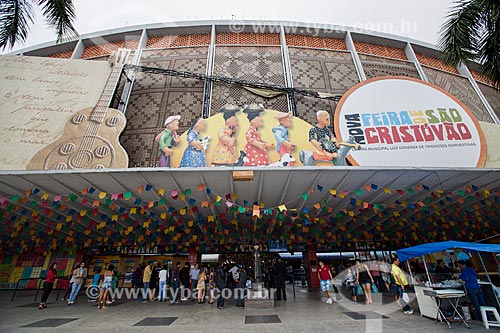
283 145
167 141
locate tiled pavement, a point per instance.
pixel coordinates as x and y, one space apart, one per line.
304 313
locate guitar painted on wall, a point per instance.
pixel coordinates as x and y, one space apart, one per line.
90 137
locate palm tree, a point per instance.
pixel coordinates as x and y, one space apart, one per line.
472 32
16 16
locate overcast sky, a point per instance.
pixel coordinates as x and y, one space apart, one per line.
419 20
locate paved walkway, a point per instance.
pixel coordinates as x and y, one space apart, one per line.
304 313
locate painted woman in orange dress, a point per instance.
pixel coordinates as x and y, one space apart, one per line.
256 148
225 150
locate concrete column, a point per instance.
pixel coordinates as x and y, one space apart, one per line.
410 54
127 89
357 62
287 69
78 50
312 265
207 89
464 71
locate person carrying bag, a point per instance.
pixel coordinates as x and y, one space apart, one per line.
399 287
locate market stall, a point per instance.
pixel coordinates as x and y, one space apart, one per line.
432 288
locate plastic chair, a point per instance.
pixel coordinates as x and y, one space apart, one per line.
484 316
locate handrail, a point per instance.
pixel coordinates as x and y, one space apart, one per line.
39 279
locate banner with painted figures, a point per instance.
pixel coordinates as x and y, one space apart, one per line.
251 136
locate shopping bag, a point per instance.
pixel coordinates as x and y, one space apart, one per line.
374 288
405 297
359 290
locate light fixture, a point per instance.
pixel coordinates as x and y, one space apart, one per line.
243 176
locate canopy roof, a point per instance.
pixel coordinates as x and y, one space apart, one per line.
423 249
348 208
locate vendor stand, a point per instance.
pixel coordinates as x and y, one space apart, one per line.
432 291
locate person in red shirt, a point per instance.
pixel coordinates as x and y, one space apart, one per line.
48 285
325 278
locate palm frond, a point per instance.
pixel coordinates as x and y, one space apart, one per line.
60 15
460 33
15 19
489 43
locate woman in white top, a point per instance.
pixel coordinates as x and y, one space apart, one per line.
162 293
105 286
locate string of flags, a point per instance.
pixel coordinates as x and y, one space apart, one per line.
257 210
388 222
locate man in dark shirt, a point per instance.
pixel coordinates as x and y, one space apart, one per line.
220 282
322 138
241 285
175 283
442 271
280 269
185 280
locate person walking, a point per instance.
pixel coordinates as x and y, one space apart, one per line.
136 277
325 277
153 282
175 283
469 276
385 270
220 282
365 279
105 286
70 285
185 280
79 275
281 272
146 279
376 274
194 274
333 288
400 285
95 283
162 292
241 288
350 281
211 285
48 284
200 287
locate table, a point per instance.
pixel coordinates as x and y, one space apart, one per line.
426 304
453 296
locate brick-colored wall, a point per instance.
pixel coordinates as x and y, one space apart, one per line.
435 63
380 50
65 54
105 49
316 42
162 42
247 39
480 77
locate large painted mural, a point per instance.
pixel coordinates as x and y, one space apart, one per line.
37 96
55 115
251 136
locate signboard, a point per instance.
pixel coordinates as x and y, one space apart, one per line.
244 155
278 245
408 122
37 96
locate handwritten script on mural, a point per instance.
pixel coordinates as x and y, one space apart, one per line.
37 95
